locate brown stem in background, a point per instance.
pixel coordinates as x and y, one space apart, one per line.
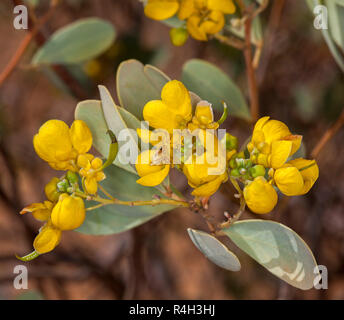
328 135
251 76
274 19
40 39
11 65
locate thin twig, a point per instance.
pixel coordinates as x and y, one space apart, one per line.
274 20
328 135
11 65
251 76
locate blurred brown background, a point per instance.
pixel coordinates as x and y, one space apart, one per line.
300 84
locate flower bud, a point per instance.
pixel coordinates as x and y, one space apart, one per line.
47 239
63 185
235 173
178 36
260 196
231 142
257 171
69 213
72 177
51 190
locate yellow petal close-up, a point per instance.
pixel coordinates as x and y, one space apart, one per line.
289 181
52 142
260 196
275 130
51 191
155 178
81 136
47 240
69 213
280 152
187 8
193 25
209 188
151 175
309 175
214 22
225 6
161 9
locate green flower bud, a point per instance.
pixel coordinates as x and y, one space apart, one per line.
63 185
178 36
257 171
235 173
72 177
231 142
248 163
232 163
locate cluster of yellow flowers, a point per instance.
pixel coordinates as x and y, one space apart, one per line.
206 161
173 112
64 149
263 168
271 146
202 17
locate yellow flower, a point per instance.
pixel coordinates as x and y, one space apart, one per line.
260 196
151 174
200 177
173 111
205 17
69 212
203 118
90 171
40 211
58 145
47 239
272 143
291 181
51 189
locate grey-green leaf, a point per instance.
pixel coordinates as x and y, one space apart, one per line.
117 218
278 248
214 250
137 84
213 85
91 112
116 123
77 42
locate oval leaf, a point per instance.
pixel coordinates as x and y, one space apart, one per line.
278 248
214 250
91 112
215 86
116 123
77 42
137 84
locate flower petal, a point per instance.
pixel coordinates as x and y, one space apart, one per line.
280 151
187 8
155 178
260 196
309 175
209 188
289 180
275 130
81 136
225 6
161 9
193 26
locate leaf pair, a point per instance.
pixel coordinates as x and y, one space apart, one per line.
276 247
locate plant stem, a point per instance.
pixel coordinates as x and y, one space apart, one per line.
133 203
11 65
328 135
251 76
